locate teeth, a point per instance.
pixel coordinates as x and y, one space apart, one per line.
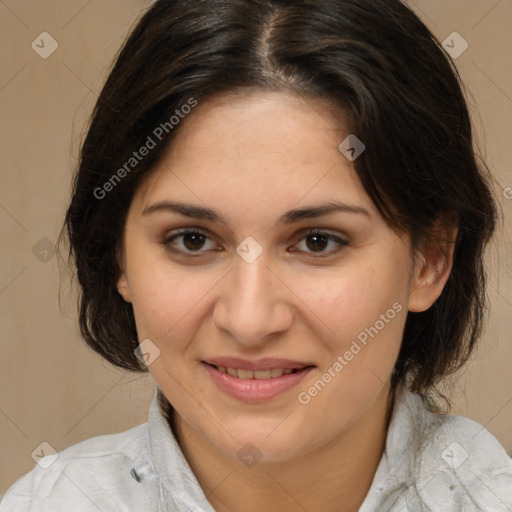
259 374
262 374
231 371
245 374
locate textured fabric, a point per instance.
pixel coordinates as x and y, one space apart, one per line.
431 463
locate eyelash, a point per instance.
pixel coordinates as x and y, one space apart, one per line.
167 242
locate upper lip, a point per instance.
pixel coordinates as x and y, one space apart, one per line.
267 363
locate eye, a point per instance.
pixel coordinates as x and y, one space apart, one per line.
193 240
317 240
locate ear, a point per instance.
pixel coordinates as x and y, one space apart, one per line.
434 264
123 288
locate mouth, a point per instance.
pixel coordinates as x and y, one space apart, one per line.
256 386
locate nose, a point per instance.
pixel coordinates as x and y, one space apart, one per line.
254 304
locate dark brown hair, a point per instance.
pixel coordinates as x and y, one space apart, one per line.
374 58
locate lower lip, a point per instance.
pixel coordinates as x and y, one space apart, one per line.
255 390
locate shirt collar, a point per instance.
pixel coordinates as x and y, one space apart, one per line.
171 465
398 465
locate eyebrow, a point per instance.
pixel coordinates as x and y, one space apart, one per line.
290 217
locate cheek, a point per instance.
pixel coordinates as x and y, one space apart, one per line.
166 306
346 300
165 298
362 313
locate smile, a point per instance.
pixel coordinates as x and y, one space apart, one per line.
255 386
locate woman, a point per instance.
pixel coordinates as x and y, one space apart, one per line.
278 213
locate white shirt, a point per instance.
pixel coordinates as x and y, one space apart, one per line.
434 463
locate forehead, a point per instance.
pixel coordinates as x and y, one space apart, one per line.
274 150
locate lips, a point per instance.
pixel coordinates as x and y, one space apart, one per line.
249 381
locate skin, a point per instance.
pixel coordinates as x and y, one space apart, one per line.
252 158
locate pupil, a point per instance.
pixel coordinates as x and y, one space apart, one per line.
197 240
316 244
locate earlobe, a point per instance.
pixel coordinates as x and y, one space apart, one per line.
123 289
432 271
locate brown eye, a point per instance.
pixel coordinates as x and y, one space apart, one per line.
317 241
191 241
194 241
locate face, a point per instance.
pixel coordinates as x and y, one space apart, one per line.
266 278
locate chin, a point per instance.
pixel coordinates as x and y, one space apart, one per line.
260 444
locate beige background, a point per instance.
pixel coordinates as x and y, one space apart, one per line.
54 388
